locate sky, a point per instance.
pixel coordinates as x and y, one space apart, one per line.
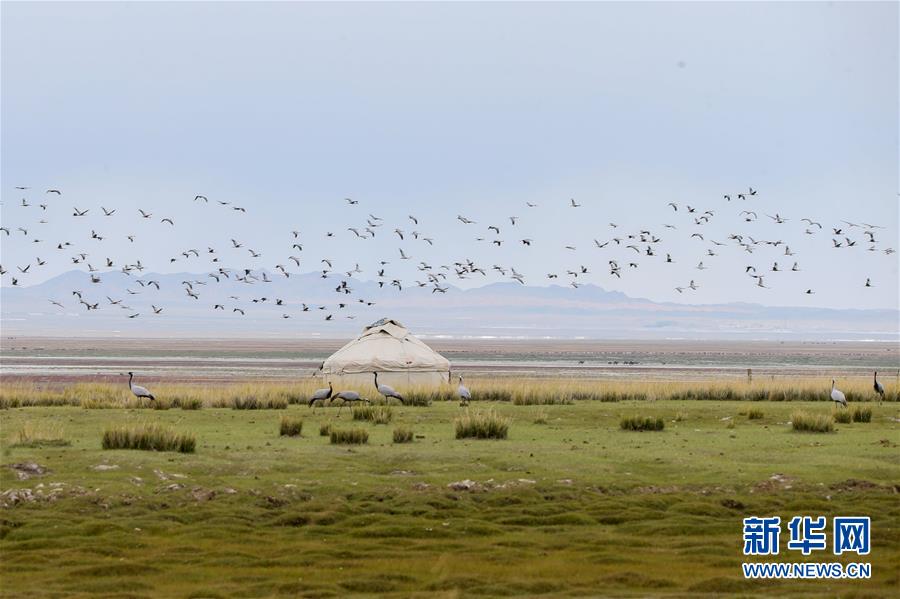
439 110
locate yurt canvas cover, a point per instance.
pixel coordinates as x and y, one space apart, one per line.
386 347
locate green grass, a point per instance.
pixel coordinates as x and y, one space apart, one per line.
805 422
642 423
601 510
149 437
290 426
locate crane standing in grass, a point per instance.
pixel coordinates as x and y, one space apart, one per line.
348 397
879 389
837 396
387 391
138 391
463 392
322 395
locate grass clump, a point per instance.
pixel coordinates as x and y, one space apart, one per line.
861 414
187 403
811 423
481 425
537 399
374 414
417 400
642 423
39 435
842 416
403 434
252 402
151 437
291 426
424 398
324 429
755 414
540 417
351 436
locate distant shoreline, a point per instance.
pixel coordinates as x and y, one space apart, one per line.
59 360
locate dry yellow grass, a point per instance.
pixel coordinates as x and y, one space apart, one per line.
518 391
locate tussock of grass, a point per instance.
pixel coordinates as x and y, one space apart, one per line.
152 437
493 394
537 399
642 423
481 425
417 400
324 429
352 436
42 434
187 403
253 402
862 414
811 423
540 417
425 397
755 414
374 414
841 415
403 434
291 426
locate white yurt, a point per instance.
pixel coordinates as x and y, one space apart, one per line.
386 347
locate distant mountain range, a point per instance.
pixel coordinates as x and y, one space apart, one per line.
496 310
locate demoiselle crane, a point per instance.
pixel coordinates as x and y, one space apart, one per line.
879 389
348 397
322 395
138 391
387 391
463 392
837 396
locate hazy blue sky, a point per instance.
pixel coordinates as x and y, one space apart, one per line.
444 109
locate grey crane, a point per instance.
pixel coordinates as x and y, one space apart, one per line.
463 392
138 391
837 396
348 397
322 395
387 391
879 389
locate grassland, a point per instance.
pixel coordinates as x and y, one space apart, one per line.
569 503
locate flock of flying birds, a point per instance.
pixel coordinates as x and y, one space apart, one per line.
622 252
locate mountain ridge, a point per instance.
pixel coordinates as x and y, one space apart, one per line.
498 308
